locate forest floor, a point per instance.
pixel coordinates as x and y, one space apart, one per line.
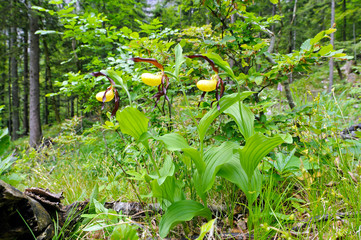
314 195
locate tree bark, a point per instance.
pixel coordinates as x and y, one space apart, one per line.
14 77
344 20
26 84
49 81
9 124
292 44
331 63
288 92
35 125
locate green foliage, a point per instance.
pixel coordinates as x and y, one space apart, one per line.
132 122
4 141
179 212
182 156
207 227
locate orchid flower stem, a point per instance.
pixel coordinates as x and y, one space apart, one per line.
153 161
191 114
129 97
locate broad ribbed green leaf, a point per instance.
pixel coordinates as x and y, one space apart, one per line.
125 231
179 59
170 190
167 170
224 103
207 227
179 212
243 117
234 172
256 148
214 158
196 157
132 122
221 63
173 141
4 140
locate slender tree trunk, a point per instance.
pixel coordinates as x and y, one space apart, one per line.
35 125
2 95
26 84
289 94
292 44
354 41
339 70
2 88
49 81
14 77
46 108
331 63
72 106
9 92
344 20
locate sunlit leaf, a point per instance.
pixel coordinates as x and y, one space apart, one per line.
179 212
179 59
4 140
207 227
234 172
173 141
221 63
243 117
132 122
125 231
256 148
214 158
224 103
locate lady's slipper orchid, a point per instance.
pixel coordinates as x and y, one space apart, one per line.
109 94
210 85
161 79
152 79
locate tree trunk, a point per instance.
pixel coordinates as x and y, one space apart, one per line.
288 92
339 70
9 124
332 42
354 42
35 125
2 95
49 81
72 106
292 44
14 77
26 85
46 108
344 20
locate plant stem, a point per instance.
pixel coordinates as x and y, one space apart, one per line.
131 183
153 161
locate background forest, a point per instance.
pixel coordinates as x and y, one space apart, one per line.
267 142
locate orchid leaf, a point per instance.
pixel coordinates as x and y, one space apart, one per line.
179 212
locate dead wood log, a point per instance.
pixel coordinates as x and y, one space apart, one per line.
22 217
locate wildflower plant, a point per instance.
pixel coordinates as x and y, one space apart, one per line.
229 160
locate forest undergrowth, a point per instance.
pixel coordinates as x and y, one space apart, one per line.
311 187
